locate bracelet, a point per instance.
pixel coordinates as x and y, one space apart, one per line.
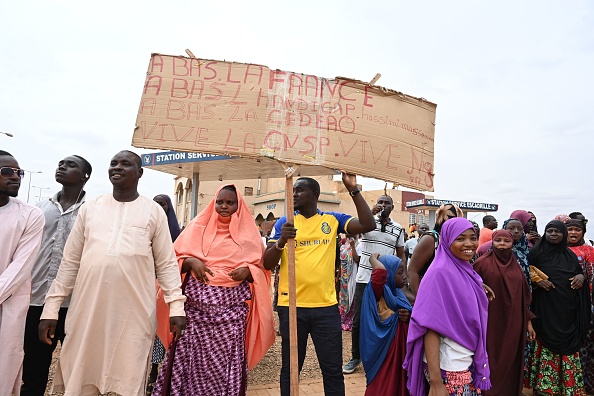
354 192
278 247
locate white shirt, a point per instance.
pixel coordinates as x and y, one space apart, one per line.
410 245
378 241
453 356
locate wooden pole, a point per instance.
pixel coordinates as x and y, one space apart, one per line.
294 367
373 80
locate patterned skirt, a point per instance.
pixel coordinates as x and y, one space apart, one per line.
554 374
210 359
347 320
457 383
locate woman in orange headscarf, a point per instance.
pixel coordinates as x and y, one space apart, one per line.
228 308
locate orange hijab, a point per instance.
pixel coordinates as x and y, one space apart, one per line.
196 241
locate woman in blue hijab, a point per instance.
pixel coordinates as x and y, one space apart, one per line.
385 312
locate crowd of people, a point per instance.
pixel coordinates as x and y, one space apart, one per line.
141 307
513 312
121 288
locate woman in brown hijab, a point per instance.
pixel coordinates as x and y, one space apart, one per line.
509 316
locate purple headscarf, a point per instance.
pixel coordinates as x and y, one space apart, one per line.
451 301
524 218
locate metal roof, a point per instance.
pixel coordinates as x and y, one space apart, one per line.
229 168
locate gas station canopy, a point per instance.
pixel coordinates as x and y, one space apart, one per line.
220 167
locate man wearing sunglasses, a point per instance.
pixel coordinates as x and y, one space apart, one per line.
60 213
21 228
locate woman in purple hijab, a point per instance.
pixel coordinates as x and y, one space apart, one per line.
447 338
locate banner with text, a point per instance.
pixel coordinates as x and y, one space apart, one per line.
250 110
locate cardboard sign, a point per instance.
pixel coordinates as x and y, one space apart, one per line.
250 110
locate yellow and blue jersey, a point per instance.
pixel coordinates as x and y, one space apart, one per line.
315 255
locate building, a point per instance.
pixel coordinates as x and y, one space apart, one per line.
266 198
262 183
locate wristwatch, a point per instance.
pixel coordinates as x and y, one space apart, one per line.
354 192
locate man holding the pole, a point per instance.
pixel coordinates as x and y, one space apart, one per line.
315 252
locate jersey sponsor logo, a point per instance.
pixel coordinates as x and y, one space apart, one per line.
326 228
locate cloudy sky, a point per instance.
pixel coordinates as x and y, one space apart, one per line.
513 81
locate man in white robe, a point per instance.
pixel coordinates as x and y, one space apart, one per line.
21 228
119 244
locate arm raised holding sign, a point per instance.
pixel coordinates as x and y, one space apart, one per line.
366 221
315 232
306 202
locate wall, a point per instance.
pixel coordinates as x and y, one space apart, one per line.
334 198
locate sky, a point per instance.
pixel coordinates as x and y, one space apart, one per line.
512 82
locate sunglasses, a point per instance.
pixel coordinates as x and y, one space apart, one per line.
7 172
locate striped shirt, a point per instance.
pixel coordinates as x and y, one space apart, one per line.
58 224
383 240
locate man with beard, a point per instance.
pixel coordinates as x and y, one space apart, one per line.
20 236
119 244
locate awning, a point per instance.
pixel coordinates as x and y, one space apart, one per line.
220 167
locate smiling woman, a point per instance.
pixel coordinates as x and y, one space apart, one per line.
456 349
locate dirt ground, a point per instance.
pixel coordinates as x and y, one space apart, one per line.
268 370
